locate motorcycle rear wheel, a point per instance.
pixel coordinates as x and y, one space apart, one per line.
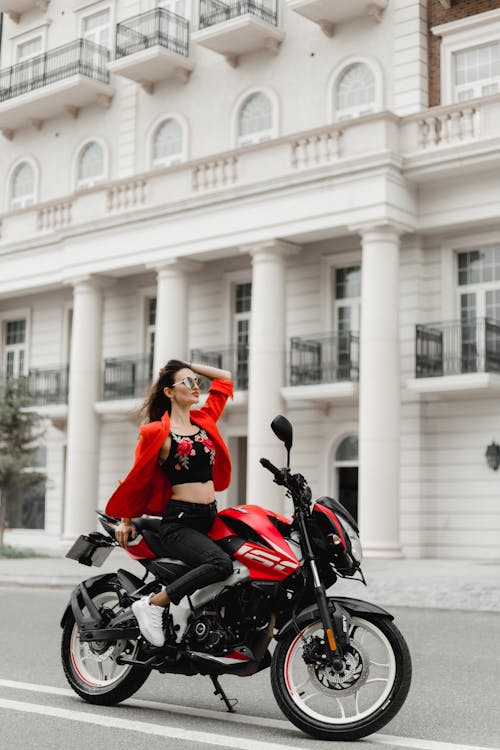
90 667
347 706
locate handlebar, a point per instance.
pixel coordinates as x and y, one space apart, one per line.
295 483
278 475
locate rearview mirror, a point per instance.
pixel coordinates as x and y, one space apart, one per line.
283 430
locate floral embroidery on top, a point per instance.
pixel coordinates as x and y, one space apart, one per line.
186 448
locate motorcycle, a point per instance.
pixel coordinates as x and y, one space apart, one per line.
340 668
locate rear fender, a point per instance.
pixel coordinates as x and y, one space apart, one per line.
82 590
341 605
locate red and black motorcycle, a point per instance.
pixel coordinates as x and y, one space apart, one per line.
340 669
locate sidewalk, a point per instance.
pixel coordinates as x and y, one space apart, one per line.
441 584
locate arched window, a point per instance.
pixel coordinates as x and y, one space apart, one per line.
91 164
348 449
255 120
22 191
355 92
168 144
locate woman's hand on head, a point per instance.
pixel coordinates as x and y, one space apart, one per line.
125 531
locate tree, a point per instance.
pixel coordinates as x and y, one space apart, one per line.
20 429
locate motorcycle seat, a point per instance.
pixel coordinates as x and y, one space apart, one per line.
148 523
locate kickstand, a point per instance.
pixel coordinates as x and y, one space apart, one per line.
230 702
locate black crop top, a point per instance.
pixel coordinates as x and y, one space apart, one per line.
190 459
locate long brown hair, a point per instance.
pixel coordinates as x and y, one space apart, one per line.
157 403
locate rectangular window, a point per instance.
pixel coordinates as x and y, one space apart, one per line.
241 332
479 306
14 348
150 331
96 28
347 320
477 71
479 266
179 7
30 63
29 49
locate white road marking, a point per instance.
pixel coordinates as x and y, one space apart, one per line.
195 736
203 713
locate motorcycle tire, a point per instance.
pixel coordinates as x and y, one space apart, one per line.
347 705
90 667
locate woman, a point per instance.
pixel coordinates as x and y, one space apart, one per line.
180 460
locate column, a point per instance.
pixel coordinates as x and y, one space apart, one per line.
266 374
82 457
172 312
379 394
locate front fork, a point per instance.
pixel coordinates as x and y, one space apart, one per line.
333 648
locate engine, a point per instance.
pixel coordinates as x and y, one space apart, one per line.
232 620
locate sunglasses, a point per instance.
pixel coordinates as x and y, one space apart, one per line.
189 382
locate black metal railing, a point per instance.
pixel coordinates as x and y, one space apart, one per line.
80 57
324 358
127 377
47 386
216 11
457 347
233 358
156 27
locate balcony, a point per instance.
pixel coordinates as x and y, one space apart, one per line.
237 27
233 358
329 13
47 386
127 377
323 367
14 9
152 47
455 356
61 81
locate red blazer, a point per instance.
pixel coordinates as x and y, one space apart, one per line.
146 489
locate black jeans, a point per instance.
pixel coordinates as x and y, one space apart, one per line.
183 533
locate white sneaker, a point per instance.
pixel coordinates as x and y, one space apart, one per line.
150 620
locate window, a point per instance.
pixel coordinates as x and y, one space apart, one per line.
346 468
179 7
470 56
150 331
95 28
91 165
347 319
168 144
355 92
255 120
29 65
241 332
14 350
22 191
479 306
26 506
477 71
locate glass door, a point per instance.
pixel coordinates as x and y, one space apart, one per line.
241 332
14 349
29 71
347 319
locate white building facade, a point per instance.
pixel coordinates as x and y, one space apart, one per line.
302 191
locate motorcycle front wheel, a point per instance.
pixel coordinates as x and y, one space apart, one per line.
91 667
345 705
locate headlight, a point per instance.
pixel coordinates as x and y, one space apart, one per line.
356 550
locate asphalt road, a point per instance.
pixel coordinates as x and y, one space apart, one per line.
453 703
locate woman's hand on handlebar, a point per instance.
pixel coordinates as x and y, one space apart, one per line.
125 531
